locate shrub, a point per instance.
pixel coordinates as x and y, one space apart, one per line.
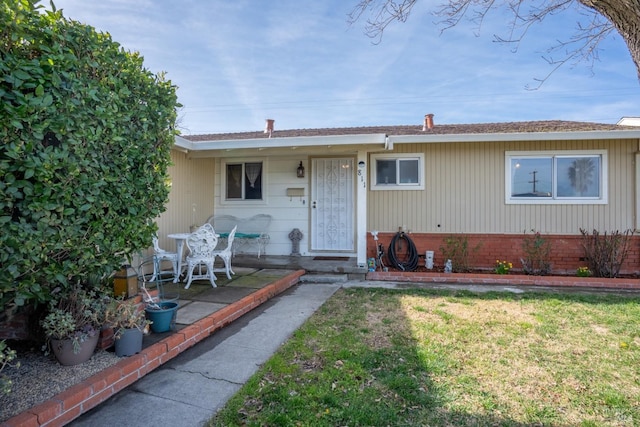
84 151
605 253
6 357
456 248
537 254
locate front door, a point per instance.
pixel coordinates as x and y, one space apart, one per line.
332 204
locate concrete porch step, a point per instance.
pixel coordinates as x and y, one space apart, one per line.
309 263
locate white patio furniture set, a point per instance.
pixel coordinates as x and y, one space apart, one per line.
202 248
250 232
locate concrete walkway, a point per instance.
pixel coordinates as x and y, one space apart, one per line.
190 389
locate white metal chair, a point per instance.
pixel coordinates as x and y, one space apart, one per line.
160 255
207 226
202 245
225 255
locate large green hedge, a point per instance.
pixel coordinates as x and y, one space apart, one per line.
86 133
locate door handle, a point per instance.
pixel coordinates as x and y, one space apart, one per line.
314 204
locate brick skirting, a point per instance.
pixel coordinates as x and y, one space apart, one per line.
567 253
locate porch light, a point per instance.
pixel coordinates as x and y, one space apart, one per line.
300 171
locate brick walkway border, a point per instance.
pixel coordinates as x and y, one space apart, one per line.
506 280
75 401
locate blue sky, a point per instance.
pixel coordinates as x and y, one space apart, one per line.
239 62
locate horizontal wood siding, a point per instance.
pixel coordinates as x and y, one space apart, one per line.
191 196
465 191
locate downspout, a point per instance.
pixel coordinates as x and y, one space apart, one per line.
637 192
388 143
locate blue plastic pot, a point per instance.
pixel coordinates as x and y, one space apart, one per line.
164 318
129 342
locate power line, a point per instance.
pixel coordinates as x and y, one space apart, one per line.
448 98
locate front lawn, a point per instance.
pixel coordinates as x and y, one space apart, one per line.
408 358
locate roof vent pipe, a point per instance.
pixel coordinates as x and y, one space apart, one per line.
268 128
428 122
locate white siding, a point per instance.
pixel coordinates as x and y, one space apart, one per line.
287 212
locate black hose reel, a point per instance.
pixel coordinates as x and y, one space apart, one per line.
409 261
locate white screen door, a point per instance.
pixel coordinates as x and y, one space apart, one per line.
332 192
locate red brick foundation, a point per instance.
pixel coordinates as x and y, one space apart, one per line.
566 251
18 326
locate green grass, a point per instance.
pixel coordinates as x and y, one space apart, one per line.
437 358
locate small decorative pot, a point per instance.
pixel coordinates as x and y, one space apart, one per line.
129 342
63 350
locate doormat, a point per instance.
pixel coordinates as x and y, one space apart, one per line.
331 258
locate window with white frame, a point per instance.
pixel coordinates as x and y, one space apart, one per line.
567 177
397 171
243 180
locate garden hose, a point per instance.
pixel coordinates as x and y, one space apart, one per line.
410 263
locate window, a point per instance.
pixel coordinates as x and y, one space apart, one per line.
243 181
570 177
397 172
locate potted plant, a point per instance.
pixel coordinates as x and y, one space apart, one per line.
72 323
161 312
129 324
162 315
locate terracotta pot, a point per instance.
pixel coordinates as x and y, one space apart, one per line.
63 350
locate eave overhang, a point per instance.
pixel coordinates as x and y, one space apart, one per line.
265 143
379 142
519 136
236 147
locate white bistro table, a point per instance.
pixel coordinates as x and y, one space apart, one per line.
180 238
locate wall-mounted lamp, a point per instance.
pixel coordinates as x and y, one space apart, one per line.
300 171
361 164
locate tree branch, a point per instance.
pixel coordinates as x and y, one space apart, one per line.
582 47
382 13
603 16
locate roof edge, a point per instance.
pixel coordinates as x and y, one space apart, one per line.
299 141
516 136
182 144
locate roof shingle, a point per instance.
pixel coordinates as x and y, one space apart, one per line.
455 129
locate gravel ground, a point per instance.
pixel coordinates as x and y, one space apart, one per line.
41 377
